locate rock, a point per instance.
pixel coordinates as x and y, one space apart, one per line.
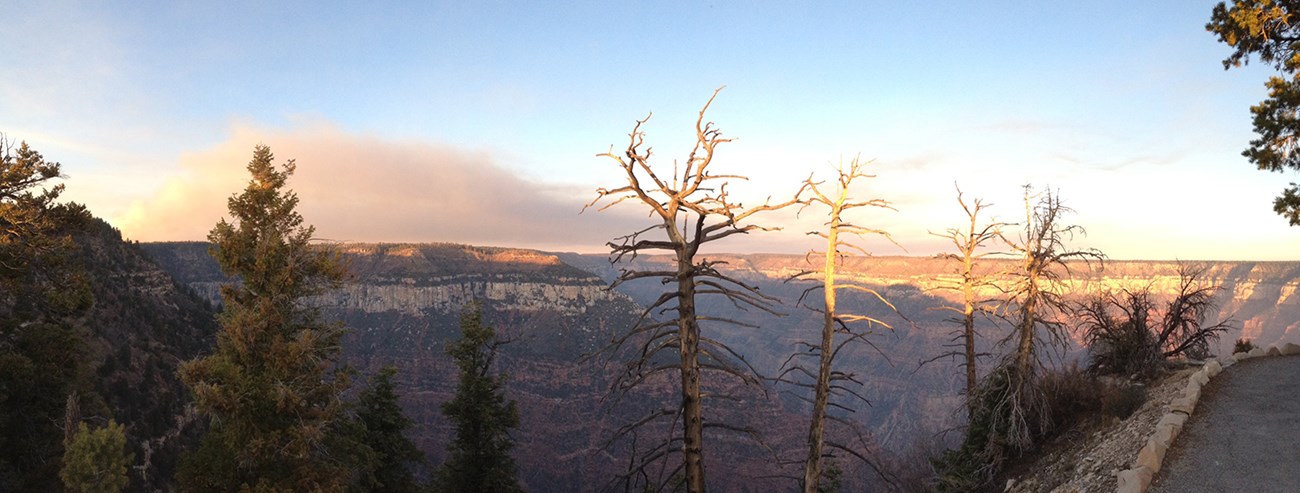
1213 368
1200 378
1134 480
1273 351
1183 405
1228 360
1242 356
1290 349
1010 484
1175 420
1164 435
1257 352
1193 391
1151 455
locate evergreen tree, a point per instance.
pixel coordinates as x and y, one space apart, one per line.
96 461
272 388
480 452
42 291
1268 30
382 424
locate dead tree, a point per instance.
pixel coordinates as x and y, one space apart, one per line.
691 208
1011 409
1183 329
1034 299
1128 336
970 242
826 379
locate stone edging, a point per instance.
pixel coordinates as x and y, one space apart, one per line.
1152 455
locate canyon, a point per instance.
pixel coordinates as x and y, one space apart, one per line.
403 302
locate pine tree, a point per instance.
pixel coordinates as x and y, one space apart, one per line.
382 424
95 461
480 452
272 389
42 291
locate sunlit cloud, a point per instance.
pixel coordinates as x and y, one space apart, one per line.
364 188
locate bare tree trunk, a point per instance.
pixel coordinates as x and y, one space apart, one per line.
968 241
968 324
1025 348
817 426
688 329
826 385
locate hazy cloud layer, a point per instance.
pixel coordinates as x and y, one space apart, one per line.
362 188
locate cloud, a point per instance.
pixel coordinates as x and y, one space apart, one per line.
363 188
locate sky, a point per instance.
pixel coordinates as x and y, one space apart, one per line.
480 122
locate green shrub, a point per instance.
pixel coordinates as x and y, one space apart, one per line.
1055 403
1122 401
96 461
1070 396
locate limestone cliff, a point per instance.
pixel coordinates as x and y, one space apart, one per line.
402 302
1260 296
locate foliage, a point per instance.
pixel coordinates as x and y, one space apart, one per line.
831 479
1243 346
139 331
483 419
42 291
382 426
1270 30
96 460
271 389
1123 400
1066 397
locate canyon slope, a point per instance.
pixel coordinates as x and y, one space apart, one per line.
404 300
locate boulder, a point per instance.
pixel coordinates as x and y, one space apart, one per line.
1290 349
1213 368
1242 356
1199 377
1151 455
1273 351
1257 352
1183 405
1164 436
1174 421
1193 389
1134 480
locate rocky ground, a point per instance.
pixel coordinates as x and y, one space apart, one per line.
1086 460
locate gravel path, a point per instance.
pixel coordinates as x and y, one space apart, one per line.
1243 436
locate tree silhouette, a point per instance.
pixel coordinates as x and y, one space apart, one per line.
382 430
480 451
691 208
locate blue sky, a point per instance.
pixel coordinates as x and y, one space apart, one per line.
479 121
